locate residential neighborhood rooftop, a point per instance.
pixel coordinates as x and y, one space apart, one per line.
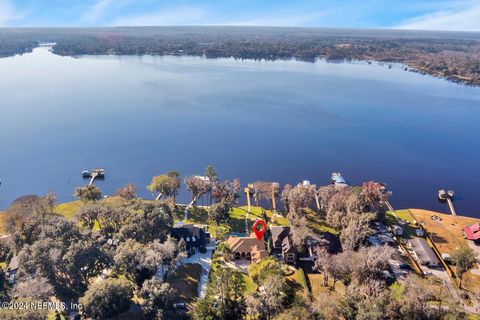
472 232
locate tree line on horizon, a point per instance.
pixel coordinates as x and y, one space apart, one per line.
455 56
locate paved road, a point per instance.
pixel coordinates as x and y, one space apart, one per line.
443 275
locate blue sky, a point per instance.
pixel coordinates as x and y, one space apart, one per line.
407 14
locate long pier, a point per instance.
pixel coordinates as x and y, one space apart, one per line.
450 205
92 179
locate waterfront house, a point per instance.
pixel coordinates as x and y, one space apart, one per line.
194 237
380 227
472 233
423 252
282 243
247 248
386 239
319 243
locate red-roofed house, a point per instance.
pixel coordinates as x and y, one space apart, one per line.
472 232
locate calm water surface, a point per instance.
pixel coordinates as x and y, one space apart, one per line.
284 121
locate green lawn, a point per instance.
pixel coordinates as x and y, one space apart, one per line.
237 218
408 229
316 222
298 282
68 209
195 216
405 215
199 215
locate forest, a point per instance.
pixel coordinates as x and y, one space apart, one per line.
119 256
451 55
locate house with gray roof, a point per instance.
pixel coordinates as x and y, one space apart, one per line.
423 252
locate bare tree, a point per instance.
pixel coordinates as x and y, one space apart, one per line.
373 195
357 230
324 264
299 232
51 200
226 191
127 192
284 196
365 264
266 191
198 186
299 198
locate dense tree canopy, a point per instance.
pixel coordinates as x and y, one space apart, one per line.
107 298
166 185
88 193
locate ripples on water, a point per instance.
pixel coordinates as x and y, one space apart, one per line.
284 121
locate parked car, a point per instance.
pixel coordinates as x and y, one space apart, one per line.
180 305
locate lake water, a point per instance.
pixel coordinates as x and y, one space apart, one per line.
285 121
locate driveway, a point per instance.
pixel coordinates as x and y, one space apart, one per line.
205 260
445 278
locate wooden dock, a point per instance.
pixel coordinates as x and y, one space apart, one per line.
447 196
93 174
450 206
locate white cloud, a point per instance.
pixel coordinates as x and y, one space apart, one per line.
165 17
280 20
8 13
466 19
98 10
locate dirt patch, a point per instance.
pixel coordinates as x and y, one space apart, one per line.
185 282
448 237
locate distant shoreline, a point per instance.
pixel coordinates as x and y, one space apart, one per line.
454 56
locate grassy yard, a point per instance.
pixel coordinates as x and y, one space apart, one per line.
447 236
237 216
199 215
408 229
316 281
405 215
185 282
68 209
298 283
316 222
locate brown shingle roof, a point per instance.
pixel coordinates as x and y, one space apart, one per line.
245 244
248 244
